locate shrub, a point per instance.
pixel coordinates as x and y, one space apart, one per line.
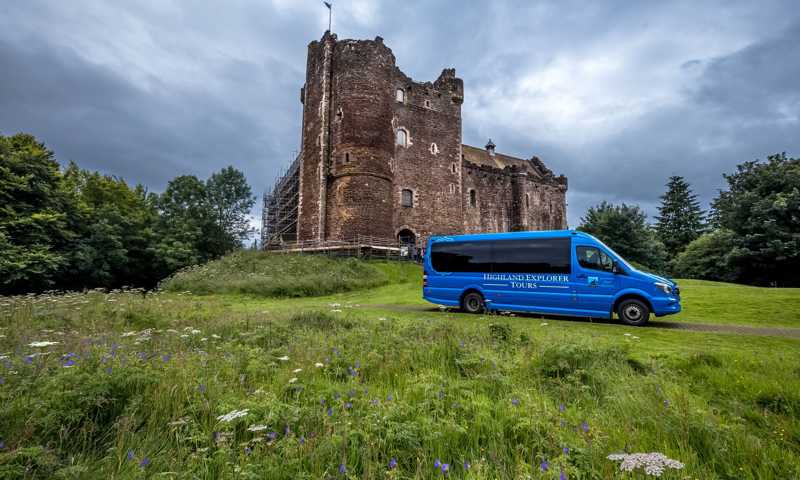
708 258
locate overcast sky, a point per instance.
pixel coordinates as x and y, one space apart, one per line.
616 95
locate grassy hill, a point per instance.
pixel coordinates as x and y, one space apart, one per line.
225 385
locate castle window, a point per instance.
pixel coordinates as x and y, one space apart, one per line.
400 95
453 167
427 104
452 188
434 148
346 158
401 138
406 198
473 198
527 201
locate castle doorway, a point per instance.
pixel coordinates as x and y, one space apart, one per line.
408 243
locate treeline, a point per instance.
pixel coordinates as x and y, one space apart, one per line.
751 235
74 229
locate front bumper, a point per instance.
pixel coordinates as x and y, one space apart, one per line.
666 305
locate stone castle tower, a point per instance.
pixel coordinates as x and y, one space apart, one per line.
381 156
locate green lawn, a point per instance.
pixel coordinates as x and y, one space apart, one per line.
136 386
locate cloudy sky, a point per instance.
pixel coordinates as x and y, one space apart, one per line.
616 95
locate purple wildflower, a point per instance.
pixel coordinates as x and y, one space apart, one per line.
69 363
348 405
666 403
145 462
441 394
342 468
27 359
272 436
131 454
374 402
358 364
585 427
437 463
201 388
466 465
563 424
2 381
389 397
392 463
544 465
165 358
562 475
302 440
565 450
322 401
287 430
514 402
562 407
330 411
445 468
352 372
248 450
109 370
2 444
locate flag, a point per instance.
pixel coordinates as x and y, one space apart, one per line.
327 5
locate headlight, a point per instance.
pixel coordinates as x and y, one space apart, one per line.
667 289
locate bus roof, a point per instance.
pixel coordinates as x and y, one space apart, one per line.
512 235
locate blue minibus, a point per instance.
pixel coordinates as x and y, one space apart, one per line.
562 272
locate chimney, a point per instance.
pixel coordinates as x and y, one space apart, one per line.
490 147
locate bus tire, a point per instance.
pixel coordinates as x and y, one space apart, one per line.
473 303
633 312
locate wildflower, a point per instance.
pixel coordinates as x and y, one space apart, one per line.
544 465
374 402
297 370
41 344
322 401
201 388
293 379
330 411
544 324
165 358
145 462
2 381
287 430
653 463
514 402
445 468
302 439
562 475
562 407
319 365
233 415
441 394
627 334
466 465
284 358
389 397
342 468
666 403
392 463
565 450
248 450
131 454
348 405
585 427
272 436
109 370
437 463
69 363
358 364
28 359
256 428
352 372
2 444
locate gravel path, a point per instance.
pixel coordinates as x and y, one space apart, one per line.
695 327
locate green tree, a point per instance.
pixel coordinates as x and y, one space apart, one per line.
32 218
230 199
708 257
680 218
762 208
624 228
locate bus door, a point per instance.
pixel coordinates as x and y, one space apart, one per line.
593 280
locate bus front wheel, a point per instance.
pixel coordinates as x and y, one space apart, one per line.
633 312
473 303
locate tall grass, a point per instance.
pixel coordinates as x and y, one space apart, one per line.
135 383
281 275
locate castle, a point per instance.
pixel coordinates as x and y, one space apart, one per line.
381 156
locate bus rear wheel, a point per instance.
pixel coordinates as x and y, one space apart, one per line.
473 303
633 312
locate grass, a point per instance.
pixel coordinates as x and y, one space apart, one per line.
280 275
149 375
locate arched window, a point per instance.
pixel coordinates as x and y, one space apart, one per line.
427 103
473 198
400 95
434 148
527 201
401 138
407 198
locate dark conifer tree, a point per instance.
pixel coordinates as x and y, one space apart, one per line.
680 218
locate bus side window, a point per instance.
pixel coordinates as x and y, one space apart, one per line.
593 258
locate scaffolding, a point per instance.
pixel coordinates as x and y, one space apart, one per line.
279 216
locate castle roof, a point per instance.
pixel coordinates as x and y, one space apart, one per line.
482 157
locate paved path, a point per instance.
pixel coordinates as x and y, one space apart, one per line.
696 327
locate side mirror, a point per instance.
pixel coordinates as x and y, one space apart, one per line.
616 269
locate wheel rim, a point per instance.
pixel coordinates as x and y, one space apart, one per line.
632 312
473 303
